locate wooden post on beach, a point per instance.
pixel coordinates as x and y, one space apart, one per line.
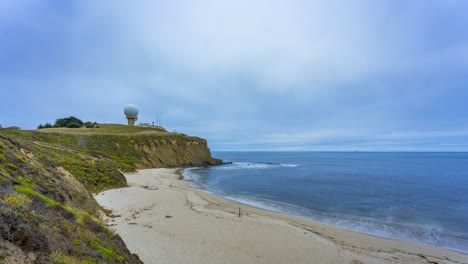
239 211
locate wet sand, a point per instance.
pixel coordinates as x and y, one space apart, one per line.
163 220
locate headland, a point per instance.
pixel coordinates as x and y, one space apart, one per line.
48 178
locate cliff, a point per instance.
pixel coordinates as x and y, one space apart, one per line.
132 147
47 177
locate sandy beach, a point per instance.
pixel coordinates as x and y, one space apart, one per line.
163 220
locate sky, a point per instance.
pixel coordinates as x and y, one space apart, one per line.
283 75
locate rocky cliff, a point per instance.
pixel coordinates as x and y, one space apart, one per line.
47 177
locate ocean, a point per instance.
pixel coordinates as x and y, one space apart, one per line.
411 196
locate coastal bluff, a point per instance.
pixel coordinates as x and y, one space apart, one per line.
133 147
48 177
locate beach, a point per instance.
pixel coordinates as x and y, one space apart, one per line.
163 220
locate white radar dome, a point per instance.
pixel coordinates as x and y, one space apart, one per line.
131 111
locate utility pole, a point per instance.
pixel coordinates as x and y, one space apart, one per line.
158 121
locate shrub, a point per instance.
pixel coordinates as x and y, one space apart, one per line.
15 228
9 219
106 253
90 124
65 122
17 200
73 125
58 257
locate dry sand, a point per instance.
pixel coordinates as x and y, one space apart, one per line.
163 220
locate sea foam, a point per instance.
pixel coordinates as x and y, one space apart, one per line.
416 197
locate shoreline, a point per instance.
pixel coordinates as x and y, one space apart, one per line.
304 217
164 220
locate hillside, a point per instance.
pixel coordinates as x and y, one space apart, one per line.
47 177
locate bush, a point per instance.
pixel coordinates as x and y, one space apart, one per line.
58 257
65 122
73 125
90 124
47 125
17 200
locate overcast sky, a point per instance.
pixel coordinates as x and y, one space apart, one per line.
245 74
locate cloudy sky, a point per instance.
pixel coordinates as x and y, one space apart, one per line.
245 74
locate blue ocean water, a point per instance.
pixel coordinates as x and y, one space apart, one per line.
411 196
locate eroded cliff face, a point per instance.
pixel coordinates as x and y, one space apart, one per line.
137 151
154 152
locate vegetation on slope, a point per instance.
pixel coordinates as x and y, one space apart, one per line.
131 147
47 177
47 212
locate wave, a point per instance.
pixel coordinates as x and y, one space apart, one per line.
256 165
191 176
420 234
388 227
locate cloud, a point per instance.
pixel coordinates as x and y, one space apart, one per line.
274 44
334 72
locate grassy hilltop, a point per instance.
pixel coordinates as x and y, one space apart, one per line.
48 176
109 129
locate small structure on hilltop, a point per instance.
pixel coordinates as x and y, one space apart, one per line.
131 112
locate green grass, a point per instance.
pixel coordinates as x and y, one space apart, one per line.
58 257
106 253
109 129
31 193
